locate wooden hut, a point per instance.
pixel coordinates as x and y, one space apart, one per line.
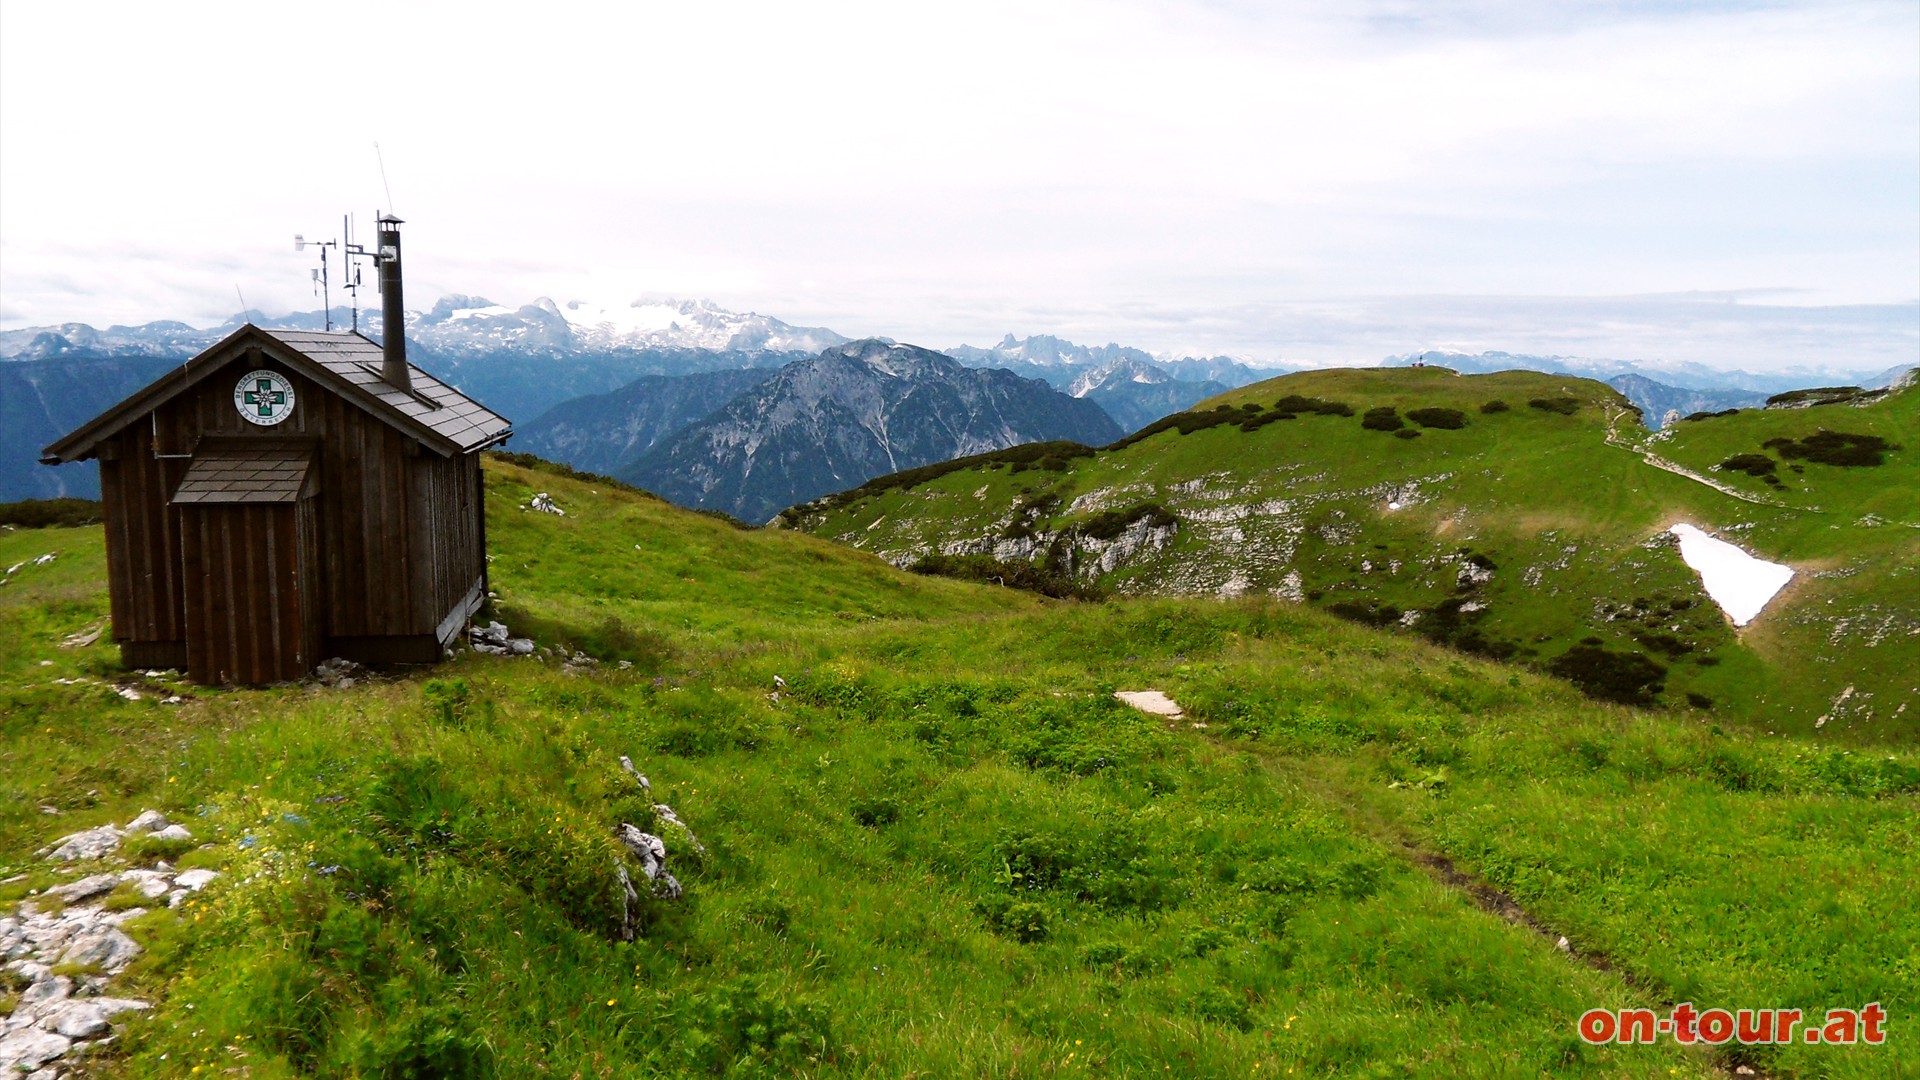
289 496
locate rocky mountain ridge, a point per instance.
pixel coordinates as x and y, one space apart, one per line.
854 412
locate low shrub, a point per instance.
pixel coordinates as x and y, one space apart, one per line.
1027 455
1494 406
1627 678
48 513
555 468
1369 613
1406 433
1565 406
1111 523
1833 448
1045 580
1756 465
1383 418
1447 419
1709 415
1816 395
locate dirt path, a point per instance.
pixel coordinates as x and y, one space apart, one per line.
1658 462
1730 1060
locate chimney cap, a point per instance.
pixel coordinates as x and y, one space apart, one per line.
389 219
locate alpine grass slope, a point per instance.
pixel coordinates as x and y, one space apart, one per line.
1515 515
930 840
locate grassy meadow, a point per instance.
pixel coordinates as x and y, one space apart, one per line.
930 843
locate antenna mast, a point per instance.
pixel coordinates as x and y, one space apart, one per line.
351 254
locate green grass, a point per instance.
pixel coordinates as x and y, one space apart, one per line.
1568 525
936 845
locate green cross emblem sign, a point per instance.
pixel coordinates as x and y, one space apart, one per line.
264 397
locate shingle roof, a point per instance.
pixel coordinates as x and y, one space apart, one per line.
431 404
245 471
346 362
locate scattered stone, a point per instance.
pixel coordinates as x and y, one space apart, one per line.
47 991
1563 944
83 638
76 1019
147 821
90 844
337 673
173 832
520 646
666 814
106 948
26 1049
1150 701
194 880
627 764
86 888
127 692
652 853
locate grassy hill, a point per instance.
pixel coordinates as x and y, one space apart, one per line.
933 842
1513 515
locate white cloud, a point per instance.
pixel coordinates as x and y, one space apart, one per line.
904 169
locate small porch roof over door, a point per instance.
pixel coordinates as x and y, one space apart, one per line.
251 471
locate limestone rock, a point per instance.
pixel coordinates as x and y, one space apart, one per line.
86 888
89 844
627 764
107 948
173 832
148 821
652 853
194 880
76 1019
26 1049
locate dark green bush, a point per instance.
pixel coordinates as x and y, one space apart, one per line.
1494 406
1834 448
1565 406
1383 418
45 513
1752 464
1709 415
1111 523
1406 433
1368 613
1817 395
554 468
1628 678
1448 419
1296 403
1045 580
1026 455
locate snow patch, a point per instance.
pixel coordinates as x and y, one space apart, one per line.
1741 584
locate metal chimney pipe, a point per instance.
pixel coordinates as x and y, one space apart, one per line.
393 311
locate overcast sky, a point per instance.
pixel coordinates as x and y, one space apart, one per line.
1729 183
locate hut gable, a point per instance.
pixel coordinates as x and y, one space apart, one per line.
275 501
348 364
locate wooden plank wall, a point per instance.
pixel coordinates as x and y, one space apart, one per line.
243 605
143 545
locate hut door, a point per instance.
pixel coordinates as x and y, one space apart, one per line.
249 594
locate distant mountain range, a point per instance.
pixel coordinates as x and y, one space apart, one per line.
462 326
1669 372
852 413
600 387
